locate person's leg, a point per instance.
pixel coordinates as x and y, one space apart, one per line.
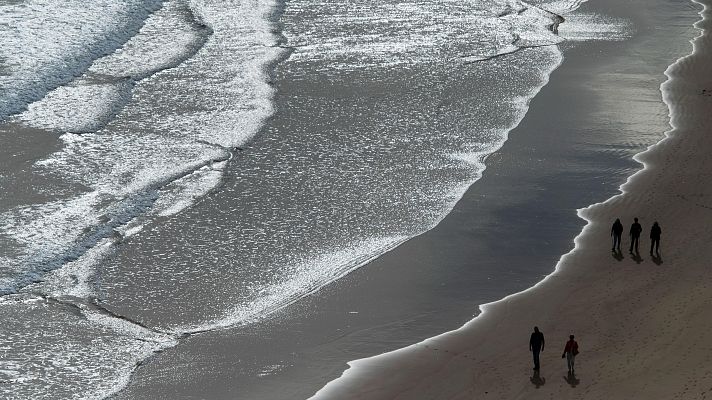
569 357
636 243
535 353
618 242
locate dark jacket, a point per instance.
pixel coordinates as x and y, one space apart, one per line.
635 229
536 342
655 232
617 229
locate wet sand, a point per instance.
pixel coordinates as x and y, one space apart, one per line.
573 148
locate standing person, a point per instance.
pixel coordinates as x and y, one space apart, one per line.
635 230
570 352
655 232
617 232
536 345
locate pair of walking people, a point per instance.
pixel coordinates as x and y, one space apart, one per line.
536 346
635 231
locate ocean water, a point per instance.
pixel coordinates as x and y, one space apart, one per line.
172 197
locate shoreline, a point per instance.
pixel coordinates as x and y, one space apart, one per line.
612 321
301 340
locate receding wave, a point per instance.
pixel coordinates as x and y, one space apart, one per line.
46 43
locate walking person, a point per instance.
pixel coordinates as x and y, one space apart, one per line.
635 230
617 232
655 232
536 345
570 352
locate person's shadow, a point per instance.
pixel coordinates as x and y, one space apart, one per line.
537 380
618 255
657 259
636 257
571 379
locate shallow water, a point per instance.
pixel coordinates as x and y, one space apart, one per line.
371 147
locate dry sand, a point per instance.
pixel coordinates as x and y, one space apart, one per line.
642 324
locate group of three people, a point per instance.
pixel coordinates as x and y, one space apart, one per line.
536 346
635 230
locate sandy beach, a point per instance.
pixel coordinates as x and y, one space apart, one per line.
641 321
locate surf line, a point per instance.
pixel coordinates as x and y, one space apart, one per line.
514 47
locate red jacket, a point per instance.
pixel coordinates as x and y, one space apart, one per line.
571 347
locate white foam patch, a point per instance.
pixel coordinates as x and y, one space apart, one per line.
76 278
54 233
419 31
559 6
76 108
132 229
59 232
46 42
167 37
589 26
33 226
52 350
300 280
184 192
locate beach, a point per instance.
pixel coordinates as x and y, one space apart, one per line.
573 148
640 321
237 199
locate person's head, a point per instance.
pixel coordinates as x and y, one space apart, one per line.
571 337
655 223
635 219
536 329
618 220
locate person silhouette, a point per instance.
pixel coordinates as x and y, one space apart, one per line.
655 232
536 345
635 230
570 352
617 232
